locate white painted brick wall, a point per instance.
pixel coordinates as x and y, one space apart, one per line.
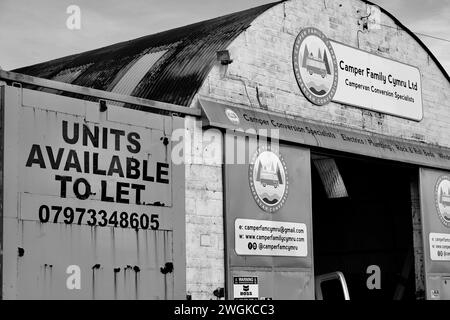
204 214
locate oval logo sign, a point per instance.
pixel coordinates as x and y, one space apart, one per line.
268 180
315 66
442 194
232 116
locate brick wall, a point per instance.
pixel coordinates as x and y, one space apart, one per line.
204 213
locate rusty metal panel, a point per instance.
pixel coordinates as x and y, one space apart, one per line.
128 262
90 193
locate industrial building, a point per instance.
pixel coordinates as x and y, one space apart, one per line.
314 145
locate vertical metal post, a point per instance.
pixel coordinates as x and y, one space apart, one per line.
2 143
224 210
419 268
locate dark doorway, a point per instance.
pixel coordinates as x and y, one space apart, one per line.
362 217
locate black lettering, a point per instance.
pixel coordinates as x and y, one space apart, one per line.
138 188
87 189
117 133
133 140
160 172
145 177
121 192
93 137
115 167
72 161
105 138
86 162
64 180
76 134
36 157
95 169
104 196
54 163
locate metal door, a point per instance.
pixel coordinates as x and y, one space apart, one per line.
268 220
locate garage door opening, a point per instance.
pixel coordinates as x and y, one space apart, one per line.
363 226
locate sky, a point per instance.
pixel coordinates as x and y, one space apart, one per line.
35 31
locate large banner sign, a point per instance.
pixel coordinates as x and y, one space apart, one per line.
330 71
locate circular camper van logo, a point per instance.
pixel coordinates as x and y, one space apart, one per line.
232 116
268 179
315 66
442 194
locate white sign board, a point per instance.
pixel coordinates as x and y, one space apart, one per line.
440 246
376 83
97 173
270 238
245 288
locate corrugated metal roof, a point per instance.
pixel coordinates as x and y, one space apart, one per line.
129 77
136 72
68 75
189 54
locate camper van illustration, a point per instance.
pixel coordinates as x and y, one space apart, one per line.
316 66
268 179
444 197
269 175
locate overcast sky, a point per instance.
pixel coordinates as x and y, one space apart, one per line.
34 31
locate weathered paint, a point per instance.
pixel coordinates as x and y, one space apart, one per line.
50 250
115 262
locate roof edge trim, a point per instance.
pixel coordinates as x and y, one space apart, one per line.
414 36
